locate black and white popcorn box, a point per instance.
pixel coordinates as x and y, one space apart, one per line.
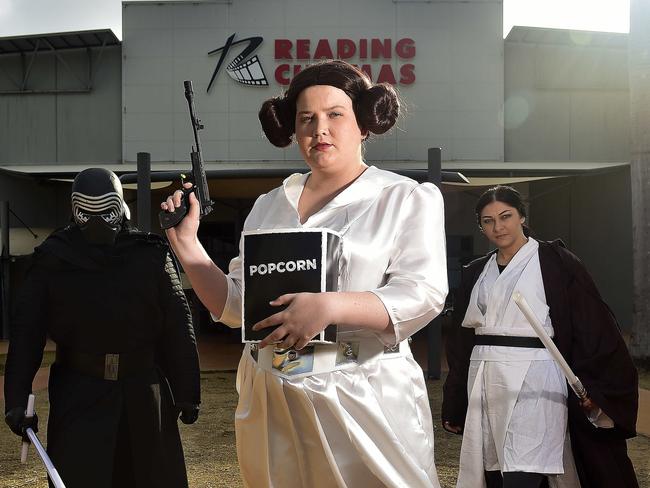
281 261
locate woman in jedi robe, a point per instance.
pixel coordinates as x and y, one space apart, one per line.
362 419
506 395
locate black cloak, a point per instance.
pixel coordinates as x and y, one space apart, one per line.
589 338
118 299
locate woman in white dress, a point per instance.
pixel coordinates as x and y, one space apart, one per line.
363 421
506 394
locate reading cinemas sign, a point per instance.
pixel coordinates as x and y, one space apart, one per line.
295 54
374 56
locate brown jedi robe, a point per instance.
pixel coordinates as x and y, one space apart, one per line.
588 336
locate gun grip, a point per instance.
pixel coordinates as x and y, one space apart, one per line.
172 219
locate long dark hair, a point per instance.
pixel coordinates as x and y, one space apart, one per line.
505 194
376 107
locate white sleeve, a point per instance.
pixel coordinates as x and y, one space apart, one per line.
231 315
416 286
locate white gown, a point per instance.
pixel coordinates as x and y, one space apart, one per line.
517 413
367 425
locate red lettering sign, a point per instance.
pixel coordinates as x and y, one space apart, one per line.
323 50
345 48
367 69
386 75
379 49
374 48
405 48
407 74
302 49
363 48
280 74
283 49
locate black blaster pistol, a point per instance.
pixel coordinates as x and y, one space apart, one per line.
198 179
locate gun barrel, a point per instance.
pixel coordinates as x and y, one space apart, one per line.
196 123
198 170
199 179
188 88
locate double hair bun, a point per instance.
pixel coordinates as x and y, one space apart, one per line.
376 109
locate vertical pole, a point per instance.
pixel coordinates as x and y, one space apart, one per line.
434 330
639 70
144 191
4 269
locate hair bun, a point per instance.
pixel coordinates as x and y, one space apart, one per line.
277 121
378 108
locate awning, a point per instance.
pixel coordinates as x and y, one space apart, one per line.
58 41
247 179
239 179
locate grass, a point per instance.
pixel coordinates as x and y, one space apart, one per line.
643 367
210 443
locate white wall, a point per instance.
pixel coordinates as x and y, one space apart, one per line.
63 127
566 102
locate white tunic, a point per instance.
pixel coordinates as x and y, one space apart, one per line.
368 425
517 413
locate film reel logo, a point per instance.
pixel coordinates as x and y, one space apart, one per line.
245 71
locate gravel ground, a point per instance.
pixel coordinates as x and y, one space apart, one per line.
210 443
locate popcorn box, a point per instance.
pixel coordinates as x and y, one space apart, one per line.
280 261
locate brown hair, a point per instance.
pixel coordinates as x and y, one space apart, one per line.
376 107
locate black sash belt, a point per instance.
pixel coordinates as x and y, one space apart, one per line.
510 341
106 366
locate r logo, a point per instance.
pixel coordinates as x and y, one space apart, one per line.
240 69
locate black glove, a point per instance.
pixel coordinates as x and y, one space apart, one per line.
189 412
18 423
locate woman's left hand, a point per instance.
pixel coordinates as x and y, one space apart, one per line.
589 407
305 316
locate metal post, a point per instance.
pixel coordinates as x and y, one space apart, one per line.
435 165
4 268
144 191
434 330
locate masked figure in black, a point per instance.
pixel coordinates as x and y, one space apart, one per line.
111 299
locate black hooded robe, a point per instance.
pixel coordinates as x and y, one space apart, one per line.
123 299
589 338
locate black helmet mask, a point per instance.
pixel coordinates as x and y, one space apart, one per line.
98 206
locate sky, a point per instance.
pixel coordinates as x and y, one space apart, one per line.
23 17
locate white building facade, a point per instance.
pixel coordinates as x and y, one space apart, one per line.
445 58
542 103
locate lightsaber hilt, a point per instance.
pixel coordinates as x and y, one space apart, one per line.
579 390
54 475
29 413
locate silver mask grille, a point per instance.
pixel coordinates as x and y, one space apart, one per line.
108 206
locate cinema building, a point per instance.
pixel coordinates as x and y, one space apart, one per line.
545 110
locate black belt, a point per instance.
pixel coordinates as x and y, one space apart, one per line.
510 341
113 366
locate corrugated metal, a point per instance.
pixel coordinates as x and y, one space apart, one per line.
58 41
567 37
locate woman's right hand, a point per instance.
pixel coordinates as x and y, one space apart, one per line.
449 427
186 231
